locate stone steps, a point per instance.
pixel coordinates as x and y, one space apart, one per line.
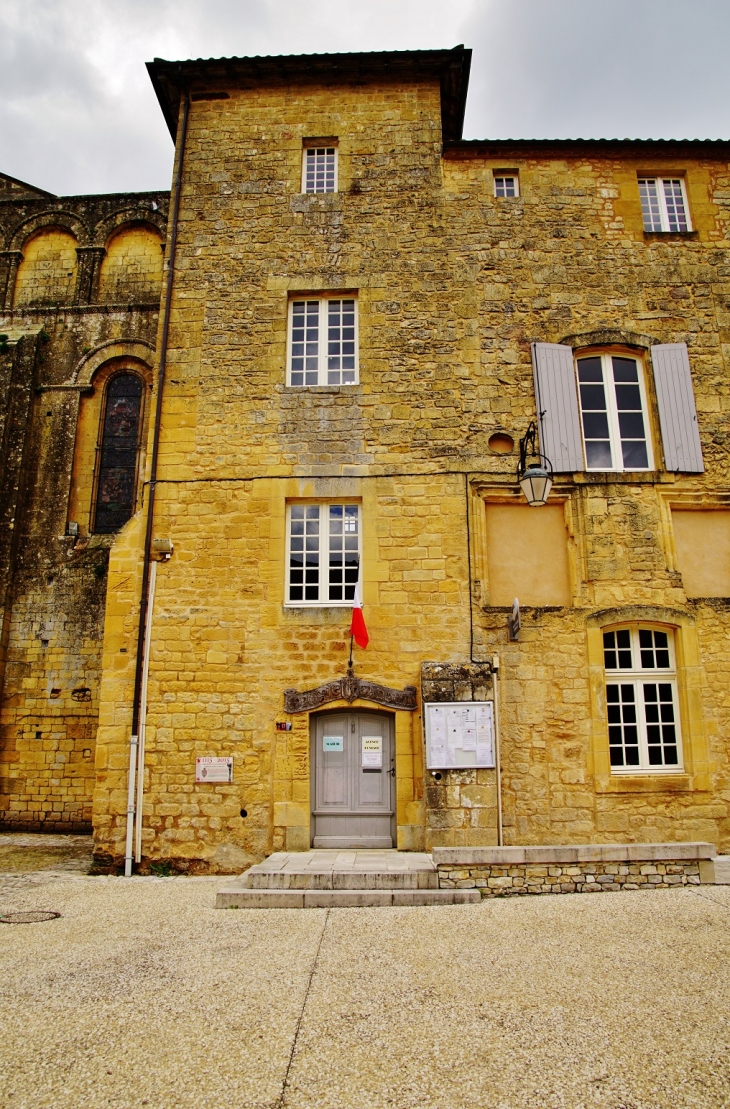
239 897
327 879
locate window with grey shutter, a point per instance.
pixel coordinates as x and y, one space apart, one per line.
677 413
557 406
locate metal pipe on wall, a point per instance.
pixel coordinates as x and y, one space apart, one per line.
497 754
134 739
143 715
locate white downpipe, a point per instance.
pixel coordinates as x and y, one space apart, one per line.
497 755
133 744
143 713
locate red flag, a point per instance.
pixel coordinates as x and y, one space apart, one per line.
357 626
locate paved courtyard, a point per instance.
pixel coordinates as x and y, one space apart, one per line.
143 994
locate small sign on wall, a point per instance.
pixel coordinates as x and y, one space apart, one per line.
372 751
214 768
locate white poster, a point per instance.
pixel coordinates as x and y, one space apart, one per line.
332 743
372 752
214 768
459 734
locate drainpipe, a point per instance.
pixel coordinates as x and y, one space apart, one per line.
143 714
144 598
497 753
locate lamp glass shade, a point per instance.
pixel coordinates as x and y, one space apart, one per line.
536 484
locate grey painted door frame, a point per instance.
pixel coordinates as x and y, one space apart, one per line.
352 806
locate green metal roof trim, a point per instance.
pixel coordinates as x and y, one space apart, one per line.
449 67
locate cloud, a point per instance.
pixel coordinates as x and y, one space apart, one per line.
79 114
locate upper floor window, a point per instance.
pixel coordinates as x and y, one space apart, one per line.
323 341
118 448
319 169
506 184
641 699
323 547
664 204
613 413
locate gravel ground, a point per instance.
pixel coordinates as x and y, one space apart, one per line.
143 994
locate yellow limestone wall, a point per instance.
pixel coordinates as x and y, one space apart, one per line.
132 267
452 287
47 274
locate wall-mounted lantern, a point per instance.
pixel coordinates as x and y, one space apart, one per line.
535 471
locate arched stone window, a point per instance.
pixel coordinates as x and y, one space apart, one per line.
119 440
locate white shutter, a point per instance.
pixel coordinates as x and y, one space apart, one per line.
677 413
557 406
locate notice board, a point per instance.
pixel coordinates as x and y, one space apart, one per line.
459 734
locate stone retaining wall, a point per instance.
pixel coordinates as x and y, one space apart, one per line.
509 871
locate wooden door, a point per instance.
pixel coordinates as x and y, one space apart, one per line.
353 780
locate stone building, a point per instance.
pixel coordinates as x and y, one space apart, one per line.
362 316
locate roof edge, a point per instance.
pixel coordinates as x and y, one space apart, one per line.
451 67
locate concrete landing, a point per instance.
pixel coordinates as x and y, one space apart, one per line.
327 879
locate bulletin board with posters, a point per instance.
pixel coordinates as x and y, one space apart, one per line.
459 735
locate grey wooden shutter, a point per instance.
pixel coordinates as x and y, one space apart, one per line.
557 406
677 413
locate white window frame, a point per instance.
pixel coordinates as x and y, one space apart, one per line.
323 584
638 677
326 148
614 431
507 177
322 342
664 217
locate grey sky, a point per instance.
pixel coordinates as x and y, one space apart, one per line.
78 113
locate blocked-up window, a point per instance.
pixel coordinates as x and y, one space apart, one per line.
664 204
323 559
319 169
613 413
323 341
641 700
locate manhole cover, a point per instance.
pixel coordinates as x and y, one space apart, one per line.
33 917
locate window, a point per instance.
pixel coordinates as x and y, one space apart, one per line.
319 169
507 185
664 204
323 553
641 700
613 413
118 447
314 359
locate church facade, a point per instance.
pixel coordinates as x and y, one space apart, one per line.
360 320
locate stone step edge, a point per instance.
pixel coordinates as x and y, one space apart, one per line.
237 898
340 880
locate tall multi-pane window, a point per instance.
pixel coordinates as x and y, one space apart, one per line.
641 700
323 341
664 204
613 413
319 170
507 185
117 453
323 558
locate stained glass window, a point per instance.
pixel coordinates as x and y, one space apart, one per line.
115 491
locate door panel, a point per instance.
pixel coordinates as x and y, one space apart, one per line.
353 804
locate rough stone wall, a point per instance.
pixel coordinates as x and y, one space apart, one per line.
453 285
53 586
522 878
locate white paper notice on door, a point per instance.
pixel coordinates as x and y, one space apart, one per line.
372 752
459 734
332 743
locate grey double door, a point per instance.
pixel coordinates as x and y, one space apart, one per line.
353 780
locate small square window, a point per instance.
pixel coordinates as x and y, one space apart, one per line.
507 184
664 204
323 554
323 341
319 169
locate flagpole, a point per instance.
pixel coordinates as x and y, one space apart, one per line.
349 665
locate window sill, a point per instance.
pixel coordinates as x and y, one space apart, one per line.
627 477
647 782
320 388
669 236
